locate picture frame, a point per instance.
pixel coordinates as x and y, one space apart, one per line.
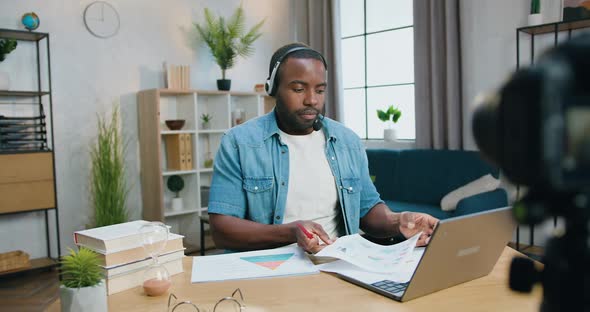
575 10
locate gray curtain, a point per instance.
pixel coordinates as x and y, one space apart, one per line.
317 24
437 66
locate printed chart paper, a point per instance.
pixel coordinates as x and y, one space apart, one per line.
369 256
289 260
402 275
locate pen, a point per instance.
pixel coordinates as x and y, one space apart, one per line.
305 231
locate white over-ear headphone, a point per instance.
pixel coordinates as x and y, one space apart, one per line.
270 86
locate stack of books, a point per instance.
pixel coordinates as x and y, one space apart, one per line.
122 255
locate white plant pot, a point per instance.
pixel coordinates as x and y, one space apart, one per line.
389 135
85 299
177 204
535 19
4 81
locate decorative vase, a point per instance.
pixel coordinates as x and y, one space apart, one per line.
206 125
223 84
4 81
389 135
177 203
535 19
87 299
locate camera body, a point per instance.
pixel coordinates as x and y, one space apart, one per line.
536 128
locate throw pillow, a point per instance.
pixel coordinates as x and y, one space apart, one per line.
484 184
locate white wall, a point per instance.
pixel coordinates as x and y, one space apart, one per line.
90 74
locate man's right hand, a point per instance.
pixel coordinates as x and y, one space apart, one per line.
311 245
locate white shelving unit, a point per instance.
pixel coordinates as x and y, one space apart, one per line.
155 106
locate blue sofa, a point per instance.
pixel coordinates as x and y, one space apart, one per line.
417 180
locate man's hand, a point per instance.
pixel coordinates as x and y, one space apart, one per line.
412 223
303 229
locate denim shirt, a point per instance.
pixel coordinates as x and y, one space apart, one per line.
251 173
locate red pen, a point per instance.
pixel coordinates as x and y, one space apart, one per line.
305 231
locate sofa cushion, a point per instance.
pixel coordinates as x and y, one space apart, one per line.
483 184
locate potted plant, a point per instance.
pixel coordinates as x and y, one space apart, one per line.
6 46
535 17
176 184
227 39
206 121
82 284
391 114
108 184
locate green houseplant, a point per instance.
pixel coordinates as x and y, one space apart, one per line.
390 114
227 40
108 184
206 121
176 184
6 46
535 17
82 285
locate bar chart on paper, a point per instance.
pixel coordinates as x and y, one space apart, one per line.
284 261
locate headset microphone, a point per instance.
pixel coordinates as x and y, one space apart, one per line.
317 124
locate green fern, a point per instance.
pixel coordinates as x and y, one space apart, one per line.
108 186
80 269
226 39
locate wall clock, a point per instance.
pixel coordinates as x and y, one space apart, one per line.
101 19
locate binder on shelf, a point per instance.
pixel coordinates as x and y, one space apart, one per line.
178 151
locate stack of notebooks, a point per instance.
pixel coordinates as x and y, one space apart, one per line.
122 255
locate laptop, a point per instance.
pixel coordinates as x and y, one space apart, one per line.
461 249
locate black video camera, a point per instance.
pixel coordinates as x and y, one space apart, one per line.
536 128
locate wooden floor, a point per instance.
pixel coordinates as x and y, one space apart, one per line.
31 291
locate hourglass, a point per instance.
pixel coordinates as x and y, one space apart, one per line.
156 279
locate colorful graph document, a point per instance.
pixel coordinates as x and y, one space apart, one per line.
369 256
289 260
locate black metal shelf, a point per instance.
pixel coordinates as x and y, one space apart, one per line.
45 103
23 93
22 35
532 31
555 27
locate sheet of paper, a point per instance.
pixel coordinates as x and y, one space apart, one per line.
369 256
289 260
404 273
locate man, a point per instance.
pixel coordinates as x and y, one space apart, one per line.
294 176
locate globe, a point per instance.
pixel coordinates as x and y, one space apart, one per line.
30 20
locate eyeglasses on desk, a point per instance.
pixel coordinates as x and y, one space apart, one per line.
225 304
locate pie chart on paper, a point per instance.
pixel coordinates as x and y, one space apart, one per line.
269 261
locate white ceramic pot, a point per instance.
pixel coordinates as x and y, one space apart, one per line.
535 19
389 135
85 299
4 81
177 204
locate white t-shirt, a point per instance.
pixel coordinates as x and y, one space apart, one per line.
312 187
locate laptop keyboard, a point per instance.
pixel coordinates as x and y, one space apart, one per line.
391 287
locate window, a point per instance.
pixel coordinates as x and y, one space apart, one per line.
377 65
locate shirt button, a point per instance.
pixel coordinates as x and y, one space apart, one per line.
256 188
340 186
350 188
278 217
282 183
333 158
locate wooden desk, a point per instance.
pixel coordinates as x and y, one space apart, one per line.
324 292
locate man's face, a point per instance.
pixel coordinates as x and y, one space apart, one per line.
300 94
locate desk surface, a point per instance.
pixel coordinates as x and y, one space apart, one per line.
324 292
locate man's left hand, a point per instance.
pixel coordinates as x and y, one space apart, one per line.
412 223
